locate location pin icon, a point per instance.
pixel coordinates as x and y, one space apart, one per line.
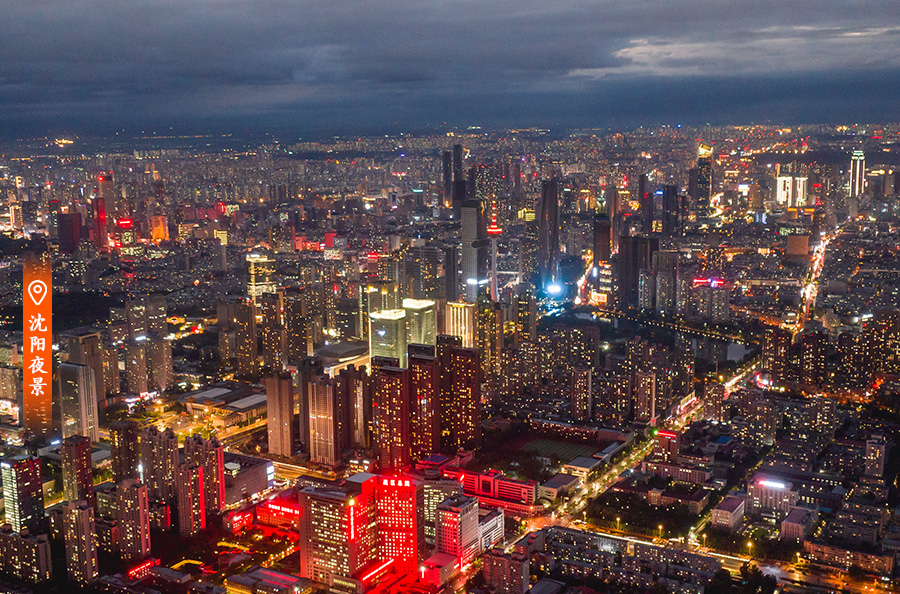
37 290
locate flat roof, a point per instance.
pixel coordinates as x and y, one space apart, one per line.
730 504
584 462
210 394
251 401
560 480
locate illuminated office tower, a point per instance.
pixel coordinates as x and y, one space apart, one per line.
191 500
162 375
666 446
421 322
339 530
159 228
525 311
99 232
136 317
644 397
456 528
133 519
489 334
136 367
280 410
77 475
262 272
78 397
298 338
857 173
463 397
474 248
159 462
400 508
451 273
646 198
387 334
447 179
390 403
424 394
703 183
324 434
376 296
460 321
422 267
125 450
273 343
86 348
245 346
81 542
210 455
582 399
22 492
106 192
548 234
436 491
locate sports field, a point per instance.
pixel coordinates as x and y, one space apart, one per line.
563 449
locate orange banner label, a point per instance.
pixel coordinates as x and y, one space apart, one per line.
37 347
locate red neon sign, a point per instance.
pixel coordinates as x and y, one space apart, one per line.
669 434
377 570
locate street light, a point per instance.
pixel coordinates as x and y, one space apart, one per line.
704 539
749 549
618 524
660 531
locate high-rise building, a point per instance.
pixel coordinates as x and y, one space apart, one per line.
136 377
159 354
280 410
875 452
400 506
78 396
159 462
298 338
489 335
857 173
644 396
776 351
325 444
422 267
23 492
210 455
548 241
86 348
704 180
387 334
424 394
646 199
390 403
421 321
246 350
473 250
80 538
125 450
582 397
77 474
262 272
133 519
456 528
461 397
191 499
460 321
447 179
338 528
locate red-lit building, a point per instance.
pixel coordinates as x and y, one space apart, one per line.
494 489
424 389
665 448
390 408
281 512
400 513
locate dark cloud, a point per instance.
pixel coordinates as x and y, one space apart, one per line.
79 64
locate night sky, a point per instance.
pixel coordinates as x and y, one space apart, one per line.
92 66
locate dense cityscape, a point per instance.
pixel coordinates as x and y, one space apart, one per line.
498 361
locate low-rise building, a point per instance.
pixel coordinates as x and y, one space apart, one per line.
728 515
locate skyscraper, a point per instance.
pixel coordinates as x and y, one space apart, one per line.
78 396
857 173
80 538
474 246
159 462
421 321
582 401
209 454
161 374
387 334
246 350
324 434
280 410
424 394
456 528
548 238
704 180
644 397
22 492
77 475
447 171
133 519
400 508
86 348
646 198
460 322
462 397
124 449
390 403
191 499
136 376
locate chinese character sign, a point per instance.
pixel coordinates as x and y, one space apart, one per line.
37 345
